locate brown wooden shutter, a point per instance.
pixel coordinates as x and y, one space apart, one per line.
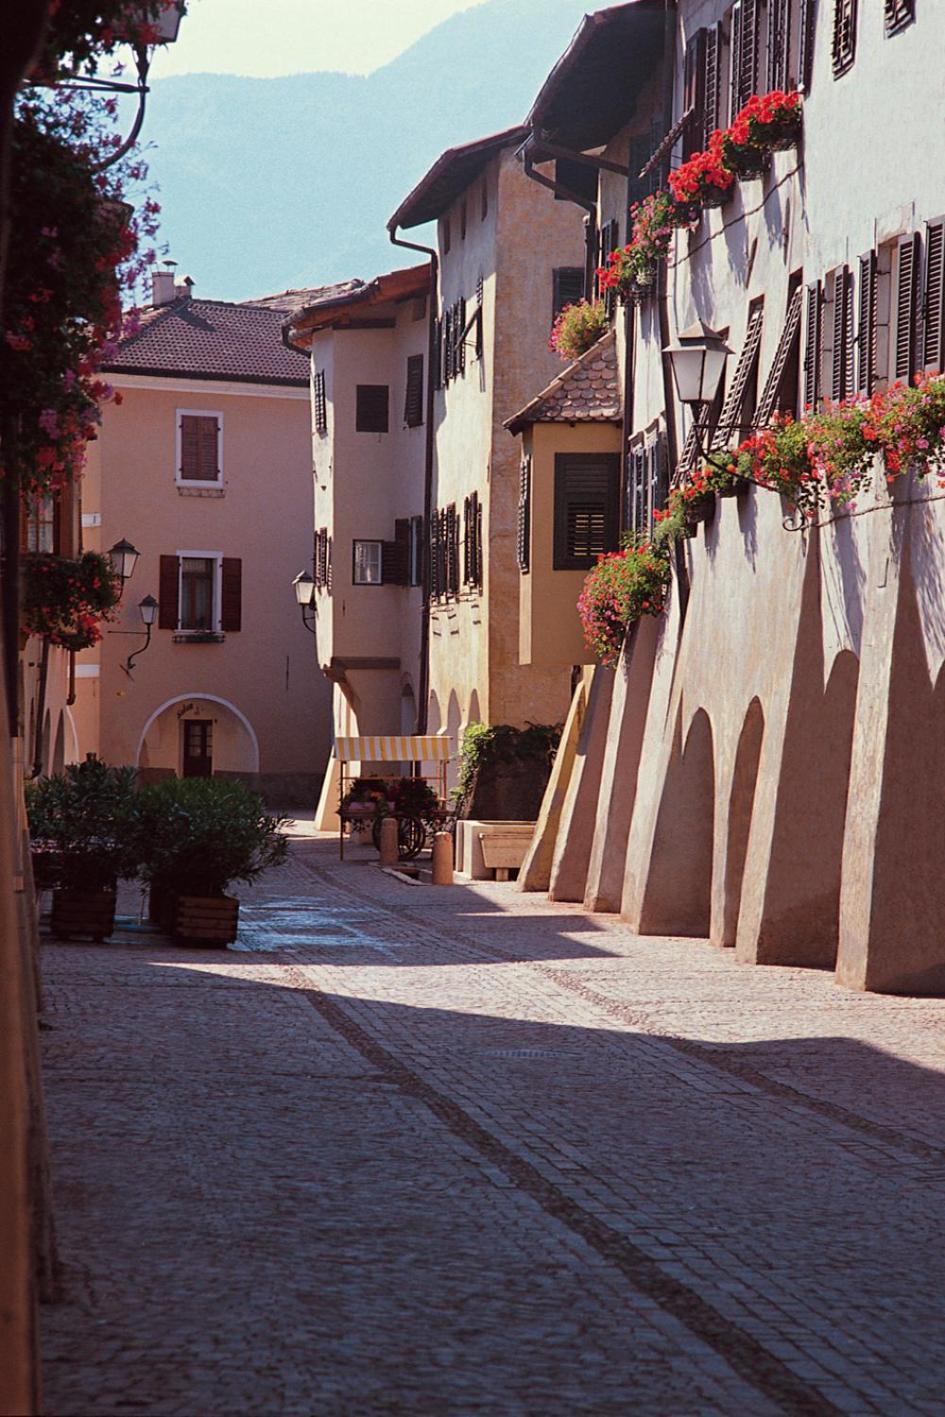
699 426
839 353
843 48
586 512
372 411
867 331
480 557
524 528
199 448
849 372
779 43
907 285
169 593
694 92
933 334
786 344
805 44
231 595
413 397
452 550
748 50
735 60
328 572
745 369
448 345
437 370
712 88
567 288
897 13
460 318
813 347
434 556
321 403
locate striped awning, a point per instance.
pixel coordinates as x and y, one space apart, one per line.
394 748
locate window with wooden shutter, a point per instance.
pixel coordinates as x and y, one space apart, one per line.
586 493
319 402
452 551
655 472
231 594
609 238
698 430
415 562
633 502
168 592
866 337
435 577
746 70
712 83
328 562
841 331
438 354
448 345
460 326
735 62
321 557
813 347
843 47
786 355
395 555
567 288
372 408
897 14
805 43
472 541
524 528
779 44
198 452
907 286
933 304
694 71
367 562
443 571
739 391
413 397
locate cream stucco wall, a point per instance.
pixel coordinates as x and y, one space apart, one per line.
260 687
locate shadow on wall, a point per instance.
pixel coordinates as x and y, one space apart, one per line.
678 892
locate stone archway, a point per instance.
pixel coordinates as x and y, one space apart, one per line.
188 723
677 894
740 807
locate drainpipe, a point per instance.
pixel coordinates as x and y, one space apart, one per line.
423 685
38 734
10 574
566 195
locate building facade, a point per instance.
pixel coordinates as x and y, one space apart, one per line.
768 770
205 467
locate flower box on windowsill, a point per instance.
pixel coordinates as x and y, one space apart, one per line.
199 637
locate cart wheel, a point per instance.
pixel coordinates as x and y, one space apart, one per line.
411 836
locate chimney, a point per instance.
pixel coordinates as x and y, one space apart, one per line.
186 288
163 289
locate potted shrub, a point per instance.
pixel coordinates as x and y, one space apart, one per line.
577 328
198 836
82 824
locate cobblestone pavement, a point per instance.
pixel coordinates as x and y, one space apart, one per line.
417 1151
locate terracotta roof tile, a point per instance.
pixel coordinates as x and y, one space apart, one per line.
212 339
588 391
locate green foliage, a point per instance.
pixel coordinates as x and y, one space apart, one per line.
484 744
200 834
86 820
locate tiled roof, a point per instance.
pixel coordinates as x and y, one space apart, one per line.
290 301
587 392
454 171
336 307
211 339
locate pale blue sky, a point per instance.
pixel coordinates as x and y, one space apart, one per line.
297 36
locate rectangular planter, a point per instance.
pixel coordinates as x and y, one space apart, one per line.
82 913
209 920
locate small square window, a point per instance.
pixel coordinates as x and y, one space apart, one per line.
372 412
367 563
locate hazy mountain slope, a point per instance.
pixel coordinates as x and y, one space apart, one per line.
271 183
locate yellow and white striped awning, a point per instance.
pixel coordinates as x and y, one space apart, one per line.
394 748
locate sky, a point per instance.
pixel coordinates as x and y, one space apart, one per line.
299 36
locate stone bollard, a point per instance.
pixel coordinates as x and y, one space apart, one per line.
390 856
442 859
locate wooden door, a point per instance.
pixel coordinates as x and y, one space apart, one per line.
197 747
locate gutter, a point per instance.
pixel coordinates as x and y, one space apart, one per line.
423 683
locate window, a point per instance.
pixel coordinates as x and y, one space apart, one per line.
319 402
472 542
839 331
647 481
395 555
199 448
866 371
42 524
741 394
567 288
585 526
524 530
413 398
843 48
897 14
200 591
780 392
321 558
933 304
451 557
372 411
607 241
813 347
367 563
415 556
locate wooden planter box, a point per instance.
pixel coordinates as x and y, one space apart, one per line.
82 913
209 920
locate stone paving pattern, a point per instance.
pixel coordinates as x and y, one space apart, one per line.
418 1151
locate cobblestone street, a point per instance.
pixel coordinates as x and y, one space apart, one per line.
416 1151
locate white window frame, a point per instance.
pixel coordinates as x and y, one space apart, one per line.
368 541
216 616
198 413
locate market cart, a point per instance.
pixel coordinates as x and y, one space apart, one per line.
416 799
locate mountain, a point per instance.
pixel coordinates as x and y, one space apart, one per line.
267 184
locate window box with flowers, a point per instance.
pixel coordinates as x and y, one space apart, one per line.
623 586
632 269
66 600
704 179
577 328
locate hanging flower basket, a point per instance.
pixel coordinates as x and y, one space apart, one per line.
66 600
704 179
577 328
700 507
771 121
745 159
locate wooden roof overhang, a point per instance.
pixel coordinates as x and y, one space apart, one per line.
450 175
592 91
349 310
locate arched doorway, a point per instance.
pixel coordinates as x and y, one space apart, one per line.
197 735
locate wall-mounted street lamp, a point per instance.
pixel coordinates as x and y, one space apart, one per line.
304 588
148 609
698 360
124 558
